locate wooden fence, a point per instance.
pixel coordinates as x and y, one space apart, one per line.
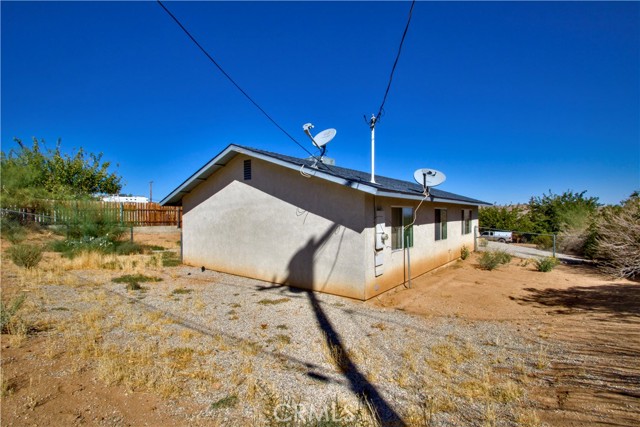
67 212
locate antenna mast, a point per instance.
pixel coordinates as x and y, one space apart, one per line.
372 125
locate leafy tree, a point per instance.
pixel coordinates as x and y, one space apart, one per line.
569 211
31 174
500 217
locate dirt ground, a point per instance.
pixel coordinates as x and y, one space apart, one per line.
594 379
592 324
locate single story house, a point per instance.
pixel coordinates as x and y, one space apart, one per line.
315 226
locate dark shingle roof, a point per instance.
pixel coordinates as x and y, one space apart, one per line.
384 186
382 182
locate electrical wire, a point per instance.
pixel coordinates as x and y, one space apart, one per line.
395 63
415 213
234 82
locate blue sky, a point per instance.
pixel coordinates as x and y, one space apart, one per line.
508 99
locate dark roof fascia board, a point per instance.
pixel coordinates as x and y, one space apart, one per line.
429 199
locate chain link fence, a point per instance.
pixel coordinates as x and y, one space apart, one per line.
525 244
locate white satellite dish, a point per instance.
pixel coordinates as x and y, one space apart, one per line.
324 137
321 139
429 177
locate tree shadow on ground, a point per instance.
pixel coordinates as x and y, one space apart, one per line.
617 299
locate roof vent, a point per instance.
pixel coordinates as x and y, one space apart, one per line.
247 170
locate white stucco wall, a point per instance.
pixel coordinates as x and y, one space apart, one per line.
279 227
426 254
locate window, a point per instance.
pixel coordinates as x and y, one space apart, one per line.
466 221
441 224
247 170
401 237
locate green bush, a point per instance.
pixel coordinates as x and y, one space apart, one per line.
464 252
12 230
546 264
543 242
24 255
492 259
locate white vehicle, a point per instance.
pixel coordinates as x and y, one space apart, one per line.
498 236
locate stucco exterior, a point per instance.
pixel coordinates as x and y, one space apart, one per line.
277 226
426 254
286 228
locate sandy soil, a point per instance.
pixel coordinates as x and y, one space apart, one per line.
592 325
595 321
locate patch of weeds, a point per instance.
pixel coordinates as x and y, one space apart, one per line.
181 291
546 264
60 309
8 313
24 255
283 339
128 248
464 252
170 259
273 301
9 386
229 401
492 259
235 305
282 327
379 325
154 247
133 281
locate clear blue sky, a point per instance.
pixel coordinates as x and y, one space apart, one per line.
508 99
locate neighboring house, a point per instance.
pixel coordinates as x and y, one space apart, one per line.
277 218
125 199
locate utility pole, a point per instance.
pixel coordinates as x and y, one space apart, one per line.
150 191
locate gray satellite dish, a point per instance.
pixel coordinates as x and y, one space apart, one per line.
324 137
429 177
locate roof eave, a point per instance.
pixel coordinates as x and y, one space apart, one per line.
215 164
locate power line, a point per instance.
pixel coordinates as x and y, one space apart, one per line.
234 82
393 69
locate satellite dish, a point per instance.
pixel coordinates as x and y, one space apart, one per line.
324 137
321 139
429 177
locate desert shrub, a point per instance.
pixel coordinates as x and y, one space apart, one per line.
543 242
546 264
492 259
464 252
24 255
483 242
8 312
12 230
133 281
502 257
128 248
617 240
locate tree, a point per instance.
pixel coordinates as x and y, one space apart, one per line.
30 174
617 238
569 211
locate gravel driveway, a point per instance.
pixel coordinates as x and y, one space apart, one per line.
527 252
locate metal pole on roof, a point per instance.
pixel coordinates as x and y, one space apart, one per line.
372 125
